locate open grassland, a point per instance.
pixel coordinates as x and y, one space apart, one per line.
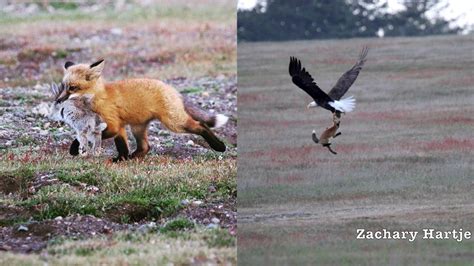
177 206
405 157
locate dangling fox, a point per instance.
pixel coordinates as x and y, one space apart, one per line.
136 102
330 132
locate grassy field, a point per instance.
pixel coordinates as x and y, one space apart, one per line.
177 206
405 157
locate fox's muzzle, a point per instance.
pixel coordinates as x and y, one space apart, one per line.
64 95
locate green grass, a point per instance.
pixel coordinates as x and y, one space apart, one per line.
150 190
145 190
177 225
404 157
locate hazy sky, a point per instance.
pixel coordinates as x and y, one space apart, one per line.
464 9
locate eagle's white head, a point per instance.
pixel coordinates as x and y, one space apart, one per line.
312 105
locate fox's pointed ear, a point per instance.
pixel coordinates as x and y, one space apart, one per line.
99 65
68 64
96 69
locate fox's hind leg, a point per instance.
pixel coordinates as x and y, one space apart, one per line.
140 133
199 128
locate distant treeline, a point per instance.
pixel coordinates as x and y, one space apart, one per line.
279 20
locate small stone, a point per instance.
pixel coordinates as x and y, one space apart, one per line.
59 218
215 220
185 202
146 228
212 226
93 189
211 189
22 228
190 143
46 125
197 202
116 31
5 248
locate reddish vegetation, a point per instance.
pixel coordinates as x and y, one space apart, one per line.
284 156
281 180
458 82
293 156
273 123
388 115
453 120
448 144
254 239
333 61
421 73
249 97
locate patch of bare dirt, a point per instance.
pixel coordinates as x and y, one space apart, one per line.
34 236
132 212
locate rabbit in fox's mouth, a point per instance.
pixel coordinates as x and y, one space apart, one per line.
76 111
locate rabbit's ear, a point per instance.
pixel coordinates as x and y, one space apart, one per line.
55 90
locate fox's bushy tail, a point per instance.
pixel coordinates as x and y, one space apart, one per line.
210 120
201 122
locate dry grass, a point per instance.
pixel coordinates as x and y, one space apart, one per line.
164 40
126 249
406 151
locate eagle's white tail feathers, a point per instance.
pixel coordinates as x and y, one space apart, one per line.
221 120
345 105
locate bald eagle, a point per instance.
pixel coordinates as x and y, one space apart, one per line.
331 101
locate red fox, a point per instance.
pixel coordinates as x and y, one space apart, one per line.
136 102
330 132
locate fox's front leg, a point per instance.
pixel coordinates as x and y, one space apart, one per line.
337 134
122 145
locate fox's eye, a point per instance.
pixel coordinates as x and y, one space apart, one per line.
73 88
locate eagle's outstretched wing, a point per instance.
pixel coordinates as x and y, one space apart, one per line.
346 80
303 80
